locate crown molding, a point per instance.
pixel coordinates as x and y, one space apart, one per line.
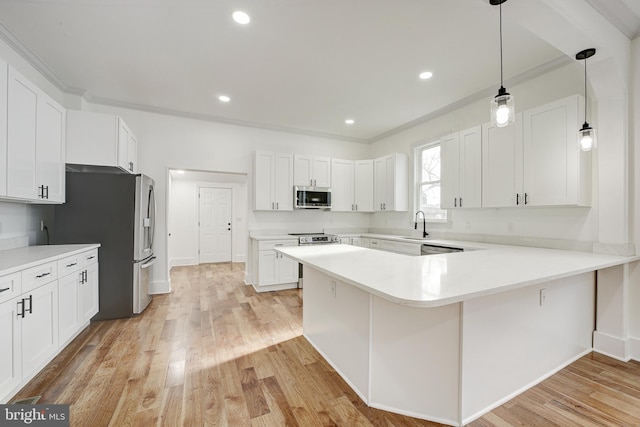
485 93
34 60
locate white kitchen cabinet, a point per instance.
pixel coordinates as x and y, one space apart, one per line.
312 171
556 171
10 356
50 149
35 143
352 189
21 137
273 181
462 169
99 139
537 160
77 292
88 294
502 164
4 68
41 310
342 194
274 268
363 242
391 191
69 312
39 327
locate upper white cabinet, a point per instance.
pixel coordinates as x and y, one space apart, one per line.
556 171
35 143
502 164
352 185
273 181
391 183
312 171
462 169
50 149
99 139
3 126
537 161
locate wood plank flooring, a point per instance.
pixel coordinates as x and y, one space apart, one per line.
216 353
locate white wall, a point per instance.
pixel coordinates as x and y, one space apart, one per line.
570 224
633 301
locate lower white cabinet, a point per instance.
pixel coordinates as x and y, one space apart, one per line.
41 309
274 270
10 356
38 316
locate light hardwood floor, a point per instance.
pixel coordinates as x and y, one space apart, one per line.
216 353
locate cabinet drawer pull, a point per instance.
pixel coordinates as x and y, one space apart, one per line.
4 289
72 264
40 276
91 257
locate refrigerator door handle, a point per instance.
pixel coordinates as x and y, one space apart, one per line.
149 263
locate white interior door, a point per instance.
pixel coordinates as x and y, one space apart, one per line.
215 224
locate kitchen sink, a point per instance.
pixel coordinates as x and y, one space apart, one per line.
427 249
415 239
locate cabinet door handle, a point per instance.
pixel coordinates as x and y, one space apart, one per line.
460 201
356 206
131 166
4 289
31 304
277 206
525 198
273 205
517 199
21 305
455 202
40 276
47 189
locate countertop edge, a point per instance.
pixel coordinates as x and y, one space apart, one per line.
32 258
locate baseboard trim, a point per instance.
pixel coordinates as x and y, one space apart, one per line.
614 347
160 287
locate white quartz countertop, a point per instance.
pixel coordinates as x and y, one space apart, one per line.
436 280
274 237
12 260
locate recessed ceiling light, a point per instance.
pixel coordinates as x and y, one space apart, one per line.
241 17
426 75
349 121
224 98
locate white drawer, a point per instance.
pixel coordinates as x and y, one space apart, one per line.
69 264
38 276
268 245
89 257
10 286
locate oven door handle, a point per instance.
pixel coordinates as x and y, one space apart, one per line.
149 263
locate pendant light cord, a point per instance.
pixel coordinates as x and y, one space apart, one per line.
501 78
586 98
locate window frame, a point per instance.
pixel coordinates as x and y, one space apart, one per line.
417 149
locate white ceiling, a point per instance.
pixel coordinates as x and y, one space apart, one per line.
300 65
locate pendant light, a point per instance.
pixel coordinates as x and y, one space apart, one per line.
586 134
502 106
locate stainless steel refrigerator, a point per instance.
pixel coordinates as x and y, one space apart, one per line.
118 211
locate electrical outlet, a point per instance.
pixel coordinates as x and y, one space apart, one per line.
543 296
333 289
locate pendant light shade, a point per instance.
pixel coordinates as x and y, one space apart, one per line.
502 106
586 134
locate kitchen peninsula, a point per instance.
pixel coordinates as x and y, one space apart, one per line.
448 337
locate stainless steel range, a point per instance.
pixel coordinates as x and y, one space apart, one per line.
316 238
305 239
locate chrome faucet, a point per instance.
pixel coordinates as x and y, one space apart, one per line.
424 224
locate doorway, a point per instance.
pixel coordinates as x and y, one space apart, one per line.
215 213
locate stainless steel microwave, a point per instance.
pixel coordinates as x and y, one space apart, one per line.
312 197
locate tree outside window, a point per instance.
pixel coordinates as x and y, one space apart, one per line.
428 182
